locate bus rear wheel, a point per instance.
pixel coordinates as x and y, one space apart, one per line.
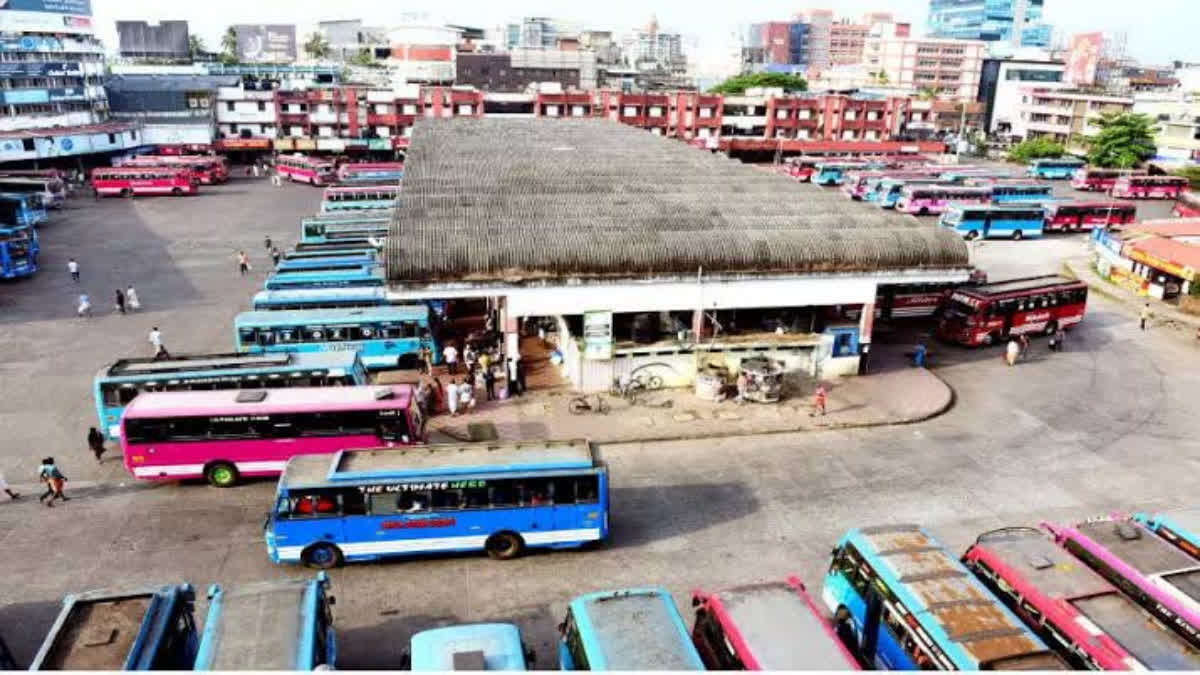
176 191
1017 235
126 192
322 556
221 474
504 546
972 235
1051 328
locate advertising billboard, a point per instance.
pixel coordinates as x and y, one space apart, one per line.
1084 58
260 43
165 40
49 16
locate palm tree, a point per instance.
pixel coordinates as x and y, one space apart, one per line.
316 46
196 47
229 46
927 93
1125 140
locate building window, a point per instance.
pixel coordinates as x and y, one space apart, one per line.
629 111
229 106
262 106
781 114
851 115
112 139
233 128
27 144
656 111
706 113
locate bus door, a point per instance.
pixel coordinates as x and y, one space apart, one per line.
576 503
887 300
987 227
870 629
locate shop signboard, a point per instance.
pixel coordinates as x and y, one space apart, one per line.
379 143
306 144
41 69
46 16
284 144
597 335
1181 271
331 144
257 43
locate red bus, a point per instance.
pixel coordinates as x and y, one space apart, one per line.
127 181
771 626
1078 613
206 170
1077 216
1149 187
989 313
304 169
1187 205
1100 180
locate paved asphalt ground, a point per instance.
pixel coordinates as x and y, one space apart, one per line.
1109 424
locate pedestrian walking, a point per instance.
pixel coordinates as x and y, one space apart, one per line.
1145 315
276 255
1060 339
8 490
95 441
439 395
55 481
73 268
1011 352
120 301
743 383
489 383
85 305
422 395
819 399
131 299
267 242
243 262
452 398
521 375
255 169
450 354
513 385
919 355
156 340
469 357
1023 341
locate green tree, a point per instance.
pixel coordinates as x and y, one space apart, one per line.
229 46
196 47
364 58
1191 173
740 83
1035 148
882 77
1125 140
927 93
316 46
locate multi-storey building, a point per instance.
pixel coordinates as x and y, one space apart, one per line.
1018 22
1065 115
813 41
174 110
1176 118
1001 82
246 115
945 67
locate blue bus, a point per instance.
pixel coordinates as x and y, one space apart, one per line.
318 263
500 498
18 251
888 192
994 222
1181 528
340 227
320 298
1055 168
355 276
902 602
269 625
143 629
632 629
121 382
1020 192
332 252
359 198
834 173
339 245
384 337
20 208
478 646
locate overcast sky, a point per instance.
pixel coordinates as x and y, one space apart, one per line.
1158 30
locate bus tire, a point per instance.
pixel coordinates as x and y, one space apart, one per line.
990 339
923 212
972 235
1018 235
176 191
322 556
126 192
221 474
1050 328
504 545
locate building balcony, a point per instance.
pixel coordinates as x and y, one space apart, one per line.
1048 127
323 117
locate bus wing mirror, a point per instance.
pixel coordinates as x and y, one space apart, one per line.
695 601
562 627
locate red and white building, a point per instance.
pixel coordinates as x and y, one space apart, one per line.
950 68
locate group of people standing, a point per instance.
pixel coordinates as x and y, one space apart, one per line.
479 368
125 301
1018 346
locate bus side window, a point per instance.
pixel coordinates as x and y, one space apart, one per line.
126 394
574 643
447 500
354 503
502 494
285 335
475 498
563 490
587 489
534 492
413 501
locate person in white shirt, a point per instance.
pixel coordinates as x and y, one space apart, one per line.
452 397
73 268
156 339
450 353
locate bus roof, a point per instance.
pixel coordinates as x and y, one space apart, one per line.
1057 160
108 630
1185 519
497 646
437 460
336 189
364 216
1083 204
331 252
634 629
182 363
935 584
299 317
299 294
295 399
1141 550
1018 285
258 626
781 629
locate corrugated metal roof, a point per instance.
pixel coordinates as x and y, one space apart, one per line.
150 83
517 199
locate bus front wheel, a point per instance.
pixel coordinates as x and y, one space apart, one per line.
176 191
322 556
221 474
126 192
504 546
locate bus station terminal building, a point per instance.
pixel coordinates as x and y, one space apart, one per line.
645 255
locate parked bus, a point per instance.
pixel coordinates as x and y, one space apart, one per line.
133 181
631 629
799 168
1181 528
1091 179
144 629
53 191
333 251
869 185
1081 216
1054 168
319 263
933 199
343 227
1079 614
1004 192
963 174
348 297
1149 187
1187 205
204 169
356 276
367 198
989 313
338 245
834 172
994 222
1162 579
301 169
121 382
21 208
771 626
385 337
18 252
500 498
223 436
269 625
371 172
476 646
910 605
889 189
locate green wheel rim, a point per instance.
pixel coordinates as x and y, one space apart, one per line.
222 475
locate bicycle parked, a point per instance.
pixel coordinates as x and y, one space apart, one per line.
582 404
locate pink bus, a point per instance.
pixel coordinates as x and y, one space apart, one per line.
932 198
1149 187
858 183
227 434
304 169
